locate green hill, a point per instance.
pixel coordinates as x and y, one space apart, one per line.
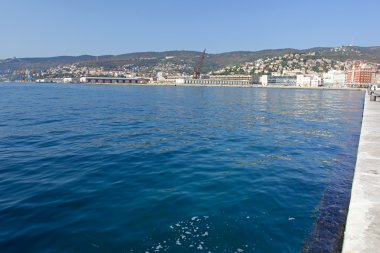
187 58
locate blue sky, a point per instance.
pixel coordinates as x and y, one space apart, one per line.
74 27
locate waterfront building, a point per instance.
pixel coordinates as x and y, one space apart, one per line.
45 80
316 81
334 78
219 82
255 79
113 80
278 80
309 81
303 81
232 77
361 73
160 76
71 80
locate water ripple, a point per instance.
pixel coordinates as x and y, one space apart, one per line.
174 169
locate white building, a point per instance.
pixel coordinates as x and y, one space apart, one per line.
160 76
316 81
303 81
334 78
309 80
71 80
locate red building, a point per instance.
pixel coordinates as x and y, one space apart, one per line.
360 73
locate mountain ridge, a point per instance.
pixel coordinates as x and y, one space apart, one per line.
213 61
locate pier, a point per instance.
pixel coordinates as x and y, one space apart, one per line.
363 222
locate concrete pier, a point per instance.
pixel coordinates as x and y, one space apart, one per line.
362 233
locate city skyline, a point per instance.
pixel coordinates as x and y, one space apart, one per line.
44 29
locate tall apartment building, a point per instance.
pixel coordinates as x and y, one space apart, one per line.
361 73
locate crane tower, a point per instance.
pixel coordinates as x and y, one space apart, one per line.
198 67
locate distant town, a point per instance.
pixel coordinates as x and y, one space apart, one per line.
290 69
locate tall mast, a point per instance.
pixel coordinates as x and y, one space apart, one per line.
198 67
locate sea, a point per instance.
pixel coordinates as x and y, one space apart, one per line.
87 168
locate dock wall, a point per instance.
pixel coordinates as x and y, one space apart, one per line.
362 234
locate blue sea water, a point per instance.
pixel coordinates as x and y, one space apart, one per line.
174 169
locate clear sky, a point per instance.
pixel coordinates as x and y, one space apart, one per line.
74 27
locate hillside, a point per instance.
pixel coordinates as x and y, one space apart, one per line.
186 59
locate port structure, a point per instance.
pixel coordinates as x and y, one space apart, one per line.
198 67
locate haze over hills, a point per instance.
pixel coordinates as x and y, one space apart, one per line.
187 59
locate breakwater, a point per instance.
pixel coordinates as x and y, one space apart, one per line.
363 222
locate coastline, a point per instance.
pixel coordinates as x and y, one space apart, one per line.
240 86
202 85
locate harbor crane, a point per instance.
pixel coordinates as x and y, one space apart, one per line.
198 67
